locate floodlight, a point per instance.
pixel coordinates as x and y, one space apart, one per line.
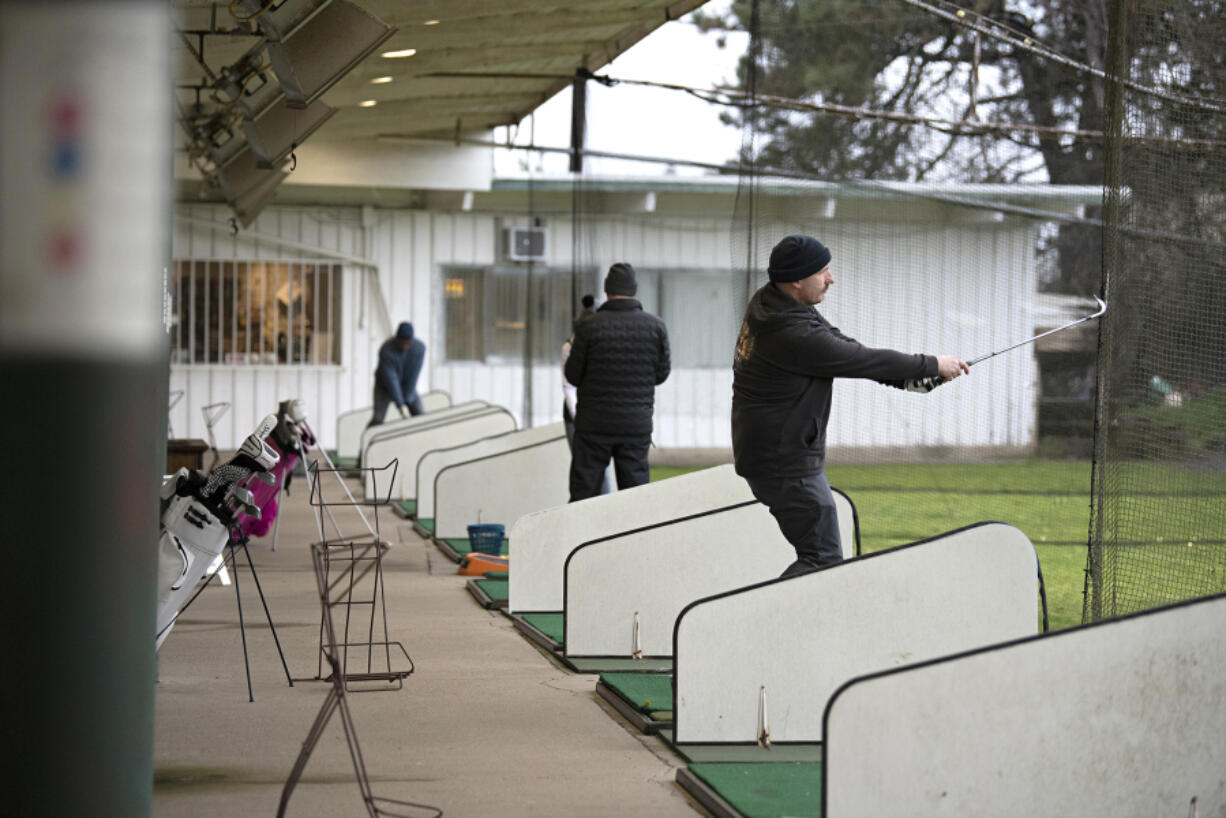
274 132
243 175
322 48
249 205
278 18
248 82
219 139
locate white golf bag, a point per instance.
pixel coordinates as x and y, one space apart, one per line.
192 537
197 514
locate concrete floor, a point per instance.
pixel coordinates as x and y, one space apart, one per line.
487 725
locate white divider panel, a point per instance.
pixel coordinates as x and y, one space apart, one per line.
396 424
504 486
434 462
349 425
849 523
803 637
434 400
541 541
411 444
657 571
1123 718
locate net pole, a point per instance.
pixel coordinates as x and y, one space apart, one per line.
1113 128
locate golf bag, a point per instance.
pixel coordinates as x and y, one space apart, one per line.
290 439
197 515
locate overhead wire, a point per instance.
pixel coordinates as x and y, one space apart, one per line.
739 99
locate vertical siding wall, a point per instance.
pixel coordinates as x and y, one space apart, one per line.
281 234
928 288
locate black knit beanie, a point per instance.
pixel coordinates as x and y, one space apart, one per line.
797 257
621 280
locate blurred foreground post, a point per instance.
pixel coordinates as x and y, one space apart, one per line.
85 168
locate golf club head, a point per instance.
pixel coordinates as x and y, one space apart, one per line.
1102 308
241 499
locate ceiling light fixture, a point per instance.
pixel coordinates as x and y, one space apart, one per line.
380 80
404 52
368 103
430 23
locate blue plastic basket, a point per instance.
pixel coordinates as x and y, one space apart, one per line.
486 538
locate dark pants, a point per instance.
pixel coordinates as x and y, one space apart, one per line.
590 454
804 508
384 400
568 424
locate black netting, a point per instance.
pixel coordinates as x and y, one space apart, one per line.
903 134
980 182
1159 528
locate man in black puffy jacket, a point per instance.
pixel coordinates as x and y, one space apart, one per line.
787 357
618 357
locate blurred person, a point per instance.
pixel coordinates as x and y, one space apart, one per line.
570 394
400 362
786 359
617 358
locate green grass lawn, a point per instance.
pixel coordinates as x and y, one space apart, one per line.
1049 500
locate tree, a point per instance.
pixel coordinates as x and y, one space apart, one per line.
889 56
893 57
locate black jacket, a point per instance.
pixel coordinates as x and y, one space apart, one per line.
618 357
787 356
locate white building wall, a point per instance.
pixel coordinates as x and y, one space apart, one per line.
947 288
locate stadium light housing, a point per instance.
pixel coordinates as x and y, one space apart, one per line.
278 18
326 45
273 126
246 186
278 129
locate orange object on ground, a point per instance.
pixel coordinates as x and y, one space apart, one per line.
475 565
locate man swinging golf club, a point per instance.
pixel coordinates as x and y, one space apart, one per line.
787 357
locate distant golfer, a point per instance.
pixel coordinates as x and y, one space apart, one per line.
617 359
787 357
400 361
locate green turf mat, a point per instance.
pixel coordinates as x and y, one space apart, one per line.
700 753
604 664
788 788
549 624
345 462
426 523
495 589
409 507
461 546
649 692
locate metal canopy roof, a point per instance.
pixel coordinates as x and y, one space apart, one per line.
518 54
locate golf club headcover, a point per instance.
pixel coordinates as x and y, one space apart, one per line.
222 477
255 447
291 434
297 410
922 385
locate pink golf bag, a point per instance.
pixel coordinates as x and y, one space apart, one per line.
291 439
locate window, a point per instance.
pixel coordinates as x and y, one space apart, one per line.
486 316
484 320
255 312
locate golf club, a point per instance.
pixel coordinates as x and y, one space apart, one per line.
1102 308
